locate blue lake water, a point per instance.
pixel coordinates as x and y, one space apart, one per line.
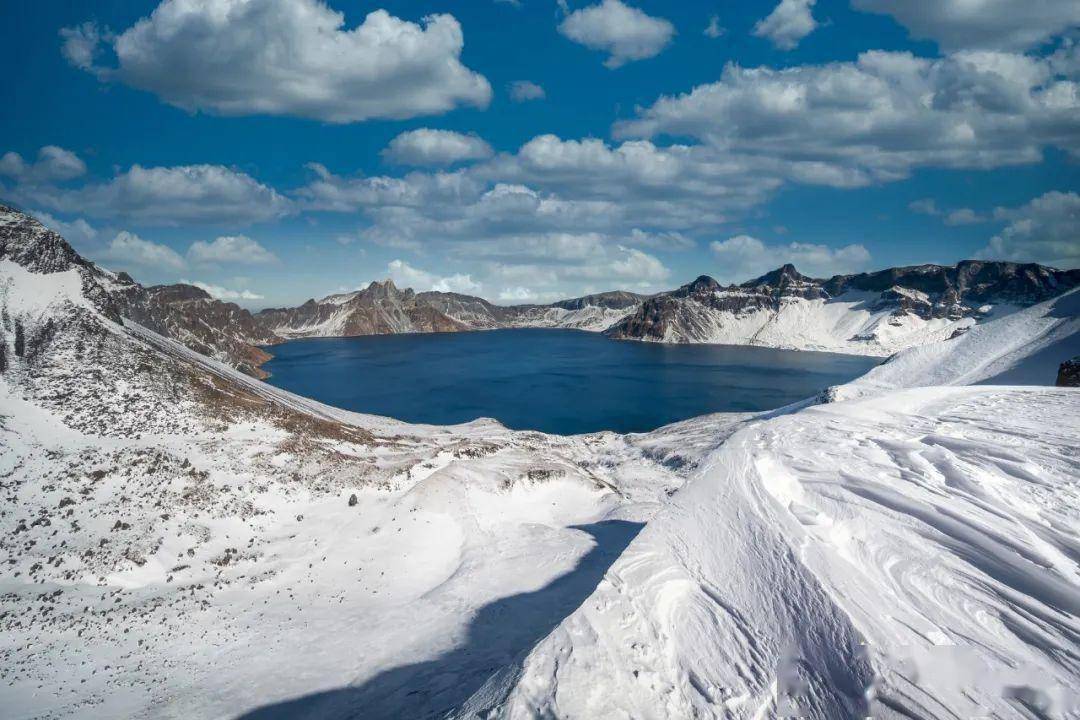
559 381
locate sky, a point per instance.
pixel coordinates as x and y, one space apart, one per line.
529 150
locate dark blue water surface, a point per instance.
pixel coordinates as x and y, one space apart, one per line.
559 381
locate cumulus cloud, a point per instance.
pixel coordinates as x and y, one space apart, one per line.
959 216
788 23
129 249
875 119
924 206
435 147
286 57
1046 230
714 29
743 257
53 164
405 275
624 32
77 232
167 196
524 90
984 24
223 293
964 216
233 249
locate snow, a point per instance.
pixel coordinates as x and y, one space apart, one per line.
180 540
1022 347
33 295
855 323
911 554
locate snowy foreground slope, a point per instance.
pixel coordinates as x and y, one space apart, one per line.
181 541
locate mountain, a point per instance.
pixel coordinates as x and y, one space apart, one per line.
188 314
382 308
185 313
379 309
869 313
183 540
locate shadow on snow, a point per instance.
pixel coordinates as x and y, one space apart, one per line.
499 638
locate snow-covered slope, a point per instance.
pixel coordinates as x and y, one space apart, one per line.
910 555
869 314
180 540
1023 348
183 541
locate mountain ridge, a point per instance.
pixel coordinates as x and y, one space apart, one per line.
871 313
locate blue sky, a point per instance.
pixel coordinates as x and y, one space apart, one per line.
274 151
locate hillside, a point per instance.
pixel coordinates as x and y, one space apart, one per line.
184 541
870 314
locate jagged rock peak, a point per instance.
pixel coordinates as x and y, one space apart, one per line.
27 242
700 284
782 276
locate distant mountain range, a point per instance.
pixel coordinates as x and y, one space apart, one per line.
382 308
875 313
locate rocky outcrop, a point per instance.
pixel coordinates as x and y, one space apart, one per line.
1069 373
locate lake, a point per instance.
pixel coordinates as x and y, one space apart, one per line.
558 381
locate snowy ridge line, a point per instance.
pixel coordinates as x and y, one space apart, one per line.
897 556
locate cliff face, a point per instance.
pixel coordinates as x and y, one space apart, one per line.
221 330
187 314
871 313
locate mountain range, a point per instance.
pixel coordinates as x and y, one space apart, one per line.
877 313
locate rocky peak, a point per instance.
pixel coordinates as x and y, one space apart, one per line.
782 277
27 242
179 292
384 289
701 285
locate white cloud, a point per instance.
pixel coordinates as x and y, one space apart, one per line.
964 216
53 164
435 147
986 24
524 90
287 57
1046 230
130 249
77 232
874 120
167 196
924 206
223 293
714 29
959 216
788 23
405 275
517 295
236 249
624 32
744 257
82 45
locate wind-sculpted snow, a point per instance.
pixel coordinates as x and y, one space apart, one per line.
913 555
